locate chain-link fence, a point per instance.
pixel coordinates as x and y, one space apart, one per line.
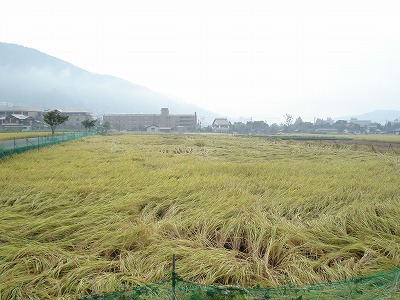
383 285
14 146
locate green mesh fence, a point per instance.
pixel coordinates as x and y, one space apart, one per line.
15 146
383 285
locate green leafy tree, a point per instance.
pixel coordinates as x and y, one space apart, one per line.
89 124
341 125
298 121
258 126
298 124
105 127
274 128
306 127
239 127
54 118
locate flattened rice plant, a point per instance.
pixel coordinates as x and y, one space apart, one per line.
92 214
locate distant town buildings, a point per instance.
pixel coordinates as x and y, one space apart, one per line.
17 118
164 121
25 117
35 113
16 122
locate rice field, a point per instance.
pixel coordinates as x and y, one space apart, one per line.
377 137
22 135
91 214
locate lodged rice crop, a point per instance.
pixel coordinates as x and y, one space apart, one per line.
92 214
22 135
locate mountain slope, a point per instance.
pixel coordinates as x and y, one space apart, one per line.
378 116
30 77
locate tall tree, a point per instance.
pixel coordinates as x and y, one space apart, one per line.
54 118
89 124
298 121
288 122
288 119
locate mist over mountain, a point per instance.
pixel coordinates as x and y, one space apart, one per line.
30 77
377 116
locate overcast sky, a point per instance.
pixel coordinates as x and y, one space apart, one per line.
249 58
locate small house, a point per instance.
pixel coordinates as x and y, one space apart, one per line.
221 125
152 128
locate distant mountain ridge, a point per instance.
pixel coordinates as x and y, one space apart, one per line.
377 116
30 77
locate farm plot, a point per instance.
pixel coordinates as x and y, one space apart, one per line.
86 216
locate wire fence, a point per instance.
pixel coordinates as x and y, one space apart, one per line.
15 145
383 285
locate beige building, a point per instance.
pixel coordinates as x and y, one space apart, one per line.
134 122
75 118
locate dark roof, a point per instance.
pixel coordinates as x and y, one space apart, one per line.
221 121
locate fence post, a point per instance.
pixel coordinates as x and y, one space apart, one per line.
173 278
15 145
